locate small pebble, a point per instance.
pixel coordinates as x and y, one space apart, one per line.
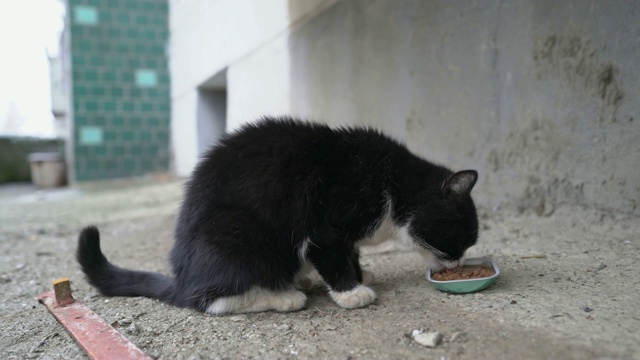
587 309
431 339
330 327
513 302
133 329
602 266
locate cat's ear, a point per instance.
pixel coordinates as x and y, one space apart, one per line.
459 184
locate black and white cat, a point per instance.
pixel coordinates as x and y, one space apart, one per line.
281 197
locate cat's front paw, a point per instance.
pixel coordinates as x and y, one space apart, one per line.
357 297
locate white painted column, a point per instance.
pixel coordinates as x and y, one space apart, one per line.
184 134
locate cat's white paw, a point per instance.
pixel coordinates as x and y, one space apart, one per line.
291 300
358 297
368 277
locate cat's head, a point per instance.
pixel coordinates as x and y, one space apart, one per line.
448 225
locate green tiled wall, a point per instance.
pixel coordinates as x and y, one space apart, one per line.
120 87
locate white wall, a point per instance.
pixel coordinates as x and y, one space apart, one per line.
259 85
246 38
184 135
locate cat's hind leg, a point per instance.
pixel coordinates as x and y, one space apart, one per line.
258 299
244 265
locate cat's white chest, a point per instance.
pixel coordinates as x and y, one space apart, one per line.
387 229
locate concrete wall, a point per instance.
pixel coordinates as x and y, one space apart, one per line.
541 97
247 41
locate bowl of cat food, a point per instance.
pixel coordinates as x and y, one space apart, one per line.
474 275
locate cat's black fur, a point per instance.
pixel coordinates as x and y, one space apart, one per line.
258 194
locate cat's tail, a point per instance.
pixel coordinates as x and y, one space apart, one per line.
111 280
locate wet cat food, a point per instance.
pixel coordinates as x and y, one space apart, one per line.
463 273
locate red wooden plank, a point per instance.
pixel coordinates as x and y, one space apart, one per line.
94 335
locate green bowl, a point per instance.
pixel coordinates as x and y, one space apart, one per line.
468 285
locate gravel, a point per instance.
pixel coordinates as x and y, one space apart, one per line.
522 313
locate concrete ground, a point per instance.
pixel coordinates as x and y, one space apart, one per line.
569 288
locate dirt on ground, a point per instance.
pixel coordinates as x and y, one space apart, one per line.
569 287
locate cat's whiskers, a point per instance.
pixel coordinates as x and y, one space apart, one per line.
434 250
423 244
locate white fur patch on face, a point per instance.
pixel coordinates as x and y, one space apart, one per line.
258 299
450 264
436 264
358 297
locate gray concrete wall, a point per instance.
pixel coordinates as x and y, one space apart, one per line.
542 97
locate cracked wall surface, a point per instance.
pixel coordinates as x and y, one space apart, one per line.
540 96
